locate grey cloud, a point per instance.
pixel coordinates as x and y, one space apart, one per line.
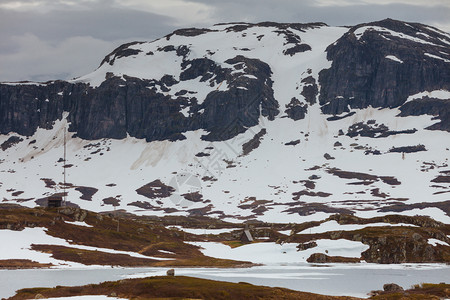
32 43
106 24
306 11
65 41
37 60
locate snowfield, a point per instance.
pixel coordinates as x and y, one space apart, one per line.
275 254
335 226
292 176
18 246
262 174
204 231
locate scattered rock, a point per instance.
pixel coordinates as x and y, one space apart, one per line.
194 196
144 205
310 89
11 142
155 189
335 118
392 287
305 246
292 143
297 49
80 215
305 209
170 272
86 192
202 154
441 179
49 183
253 143
209 178
328 156
111 201
317 258
323 258
408 149
297 195
296 110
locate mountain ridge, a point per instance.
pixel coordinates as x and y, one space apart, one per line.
243 121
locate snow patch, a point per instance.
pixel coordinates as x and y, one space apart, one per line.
394 58
437 57
335 226
167 252
199 231
435 242
438 94
78 223
360 32
275 254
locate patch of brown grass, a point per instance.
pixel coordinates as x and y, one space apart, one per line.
89 257
12 264
113 232
425 291
174 287
233 244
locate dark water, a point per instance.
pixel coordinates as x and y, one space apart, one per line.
351 280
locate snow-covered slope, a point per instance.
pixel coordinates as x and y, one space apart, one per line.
283 160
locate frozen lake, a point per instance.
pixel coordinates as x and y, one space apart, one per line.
334 279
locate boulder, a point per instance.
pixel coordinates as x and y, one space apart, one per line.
170 272
392 287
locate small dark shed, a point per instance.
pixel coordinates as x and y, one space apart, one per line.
54 201
246 237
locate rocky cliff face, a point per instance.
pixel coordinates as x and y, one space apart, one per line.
134 106
379 64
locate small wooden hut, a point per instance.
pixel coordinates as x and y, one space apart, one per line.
54 201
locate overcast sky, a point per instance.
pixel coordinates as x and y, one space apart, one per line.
62 39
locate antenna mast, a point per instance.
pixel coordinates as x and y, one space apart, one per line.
64 166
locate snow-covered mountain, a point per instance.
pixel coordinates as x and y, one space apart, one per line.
269 121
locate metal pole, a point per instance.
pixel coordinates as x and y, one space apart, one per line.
64 166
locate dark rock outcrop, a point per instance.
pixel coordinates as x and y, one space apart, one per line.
155 189
323 258
253 143
11 141
135 107
409 247
392 287
310 89
374 130
305 246
297 49
429 106
362 74
121 51
408 149
228 113
296 110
